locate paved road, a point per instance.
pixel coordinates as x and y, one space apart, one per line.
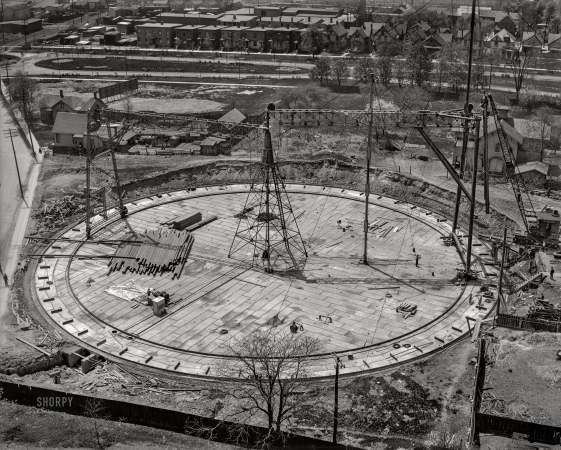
14 212
31 69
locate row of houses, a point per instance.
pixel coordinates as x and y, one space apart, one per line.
280 29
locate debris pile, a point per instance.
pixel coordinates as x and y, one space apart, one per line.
55 212
543 310
407 309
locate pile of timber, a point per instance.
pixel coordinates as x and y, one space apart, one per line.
160 251
182 222
543 310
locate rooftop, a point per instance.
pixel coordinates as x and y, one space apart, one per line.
70 123
159 25
233 116
532 129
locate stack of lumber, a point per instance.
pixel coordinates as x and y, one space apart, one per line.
243 213
200 224
182 222
160 251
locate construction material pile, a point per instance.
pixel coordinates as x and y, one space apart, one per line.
189 222
407 309
159 251
55 212
543 310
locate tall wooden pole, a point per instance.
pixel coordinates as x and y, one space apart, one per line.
268 161
500 294
486 158
88 177
336 406
473 193
368 159
11 132
466 122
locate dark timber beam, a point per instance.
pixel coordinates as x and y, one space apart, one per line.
444 161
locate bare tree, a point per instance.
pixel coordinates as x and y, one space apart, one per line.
493 58
129 107
340 70
95 409
269 363
399 72
321 70
23 91
519 64
314 39
385 70
541 122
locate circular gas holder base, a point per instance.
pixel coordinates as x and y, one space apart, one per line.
350 305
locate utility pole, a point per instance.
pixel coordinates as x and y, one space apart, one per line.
466 122
10 132
368 158
88 177
500 293
3 36
338 364
485 156
473 193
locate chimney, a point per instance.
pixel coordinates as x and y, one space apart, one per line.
61 94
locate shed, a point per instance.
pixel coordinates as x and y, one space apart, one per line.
212 146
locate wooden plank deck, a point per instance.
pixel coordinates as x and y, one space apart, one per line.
215 292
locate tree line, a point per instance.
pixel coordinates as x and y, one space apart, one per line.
445 71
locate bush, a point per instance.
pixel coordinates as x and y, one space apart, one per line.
530 99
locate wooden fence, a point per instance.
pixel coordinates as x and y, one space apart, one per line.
146 415
523 323
488 423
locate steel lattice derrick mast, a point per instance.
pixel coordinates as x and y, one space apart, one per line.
517 183
267 228
91 155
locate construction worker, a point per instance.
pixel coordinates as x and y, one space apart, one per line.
551 272
5 276
294 328
417 257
